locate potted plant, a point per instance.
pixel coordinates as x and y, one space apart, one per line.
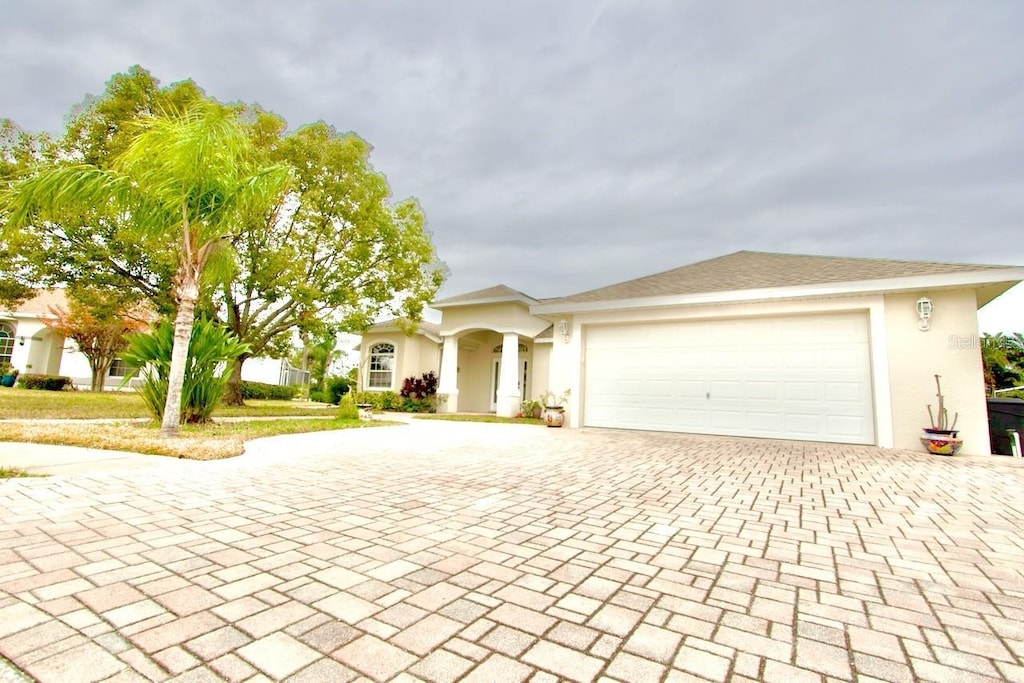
532 408
941 437
8 375
554 407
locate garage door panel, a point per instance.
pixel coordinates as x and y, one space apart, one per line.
790 377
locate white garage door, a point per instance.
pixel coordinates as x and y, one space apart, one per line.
800 377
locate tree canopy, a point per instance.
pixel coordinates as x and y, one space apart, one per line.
332 253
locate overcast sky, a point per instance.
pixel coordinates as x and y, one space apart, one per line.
561 146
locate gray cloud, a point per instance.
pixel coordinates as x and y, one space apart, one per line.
562 146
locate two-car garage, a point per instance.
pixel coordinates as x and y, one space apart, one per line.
802 377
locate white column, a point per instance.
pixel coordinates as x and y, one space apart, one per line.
448 382
509 400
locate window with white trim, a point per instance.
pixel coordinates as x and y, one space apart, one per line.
6 343
380 370
118 368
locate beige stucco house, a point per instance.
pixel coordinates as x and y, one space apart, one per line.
31 346
752 344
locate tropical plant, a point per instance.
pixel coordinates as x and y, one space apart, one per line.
184 179
210 348
552 400
1002 358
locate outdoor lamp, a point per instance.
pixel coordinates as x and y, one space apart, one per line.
563 329
924 313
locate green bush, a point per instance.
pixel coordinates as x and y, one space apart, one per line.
378 400
347 409
264 391
1009 394
210 351
44 382
337 387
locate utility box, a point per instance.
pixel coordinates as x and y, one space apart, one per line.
1005 415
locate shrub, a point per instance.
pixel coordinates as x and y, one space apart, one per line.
337 387
45 382
420 387
378 400
264 391
210 351
347 409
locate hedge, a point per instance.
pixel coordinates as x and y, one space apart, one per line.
262 390
44 382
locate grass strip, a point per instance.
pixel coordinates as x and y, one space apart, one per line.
197 442
28 404
456 417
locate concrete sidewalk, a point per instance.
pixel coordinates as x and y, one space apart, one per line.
62 460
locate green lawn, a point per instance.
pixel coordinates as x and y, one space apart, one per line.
456 417
30 404
197 442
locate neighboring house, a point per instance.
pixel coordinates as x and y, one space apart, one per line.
32 347
749 344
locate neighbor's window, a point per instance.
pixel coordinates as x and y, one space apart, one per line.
382 363
6 343
119 368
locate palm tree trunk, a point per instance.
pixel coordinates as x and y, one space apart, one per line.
188 293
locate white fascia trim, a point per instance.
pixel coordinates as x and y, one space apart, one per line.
390 330
525 300
917 282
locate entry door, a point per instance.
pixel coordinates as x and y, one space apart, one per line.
496 377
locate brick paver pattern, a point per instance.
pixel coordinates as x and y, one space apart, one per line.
446 552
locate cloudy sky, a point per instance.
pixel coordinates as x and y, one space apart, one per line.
561 146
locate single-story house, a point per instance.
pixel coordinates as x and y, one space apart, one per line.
27 343
751 344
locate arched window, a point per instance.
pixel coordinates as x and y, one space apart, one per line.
381 368
6 343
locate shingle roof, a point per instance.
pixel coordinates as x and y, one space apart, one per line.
43 301
495 294
758 270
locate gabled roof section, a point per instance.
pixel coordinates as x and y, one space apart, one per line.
427 329
42 302
492 295
750 270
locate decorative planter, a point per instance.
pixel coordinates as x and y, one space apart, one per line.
8 380
554 416
941 441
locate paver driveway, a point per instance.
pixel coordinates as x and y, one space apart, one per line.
446 551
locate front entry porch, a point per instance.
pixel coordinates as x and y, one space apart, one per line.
486 371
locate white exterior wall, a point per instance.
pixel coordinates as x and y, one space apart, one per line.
414 355
950 348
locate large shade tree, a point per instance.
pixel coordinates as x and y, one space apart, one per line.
333 254
182 182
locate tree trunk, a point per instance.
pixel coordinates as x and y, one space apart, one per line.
183 322
99 368
233 389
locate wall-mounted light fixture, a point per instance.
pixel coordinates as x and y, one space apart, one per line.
924 313
563 329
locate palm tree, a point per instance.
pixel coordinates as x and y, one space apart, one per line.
186 177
